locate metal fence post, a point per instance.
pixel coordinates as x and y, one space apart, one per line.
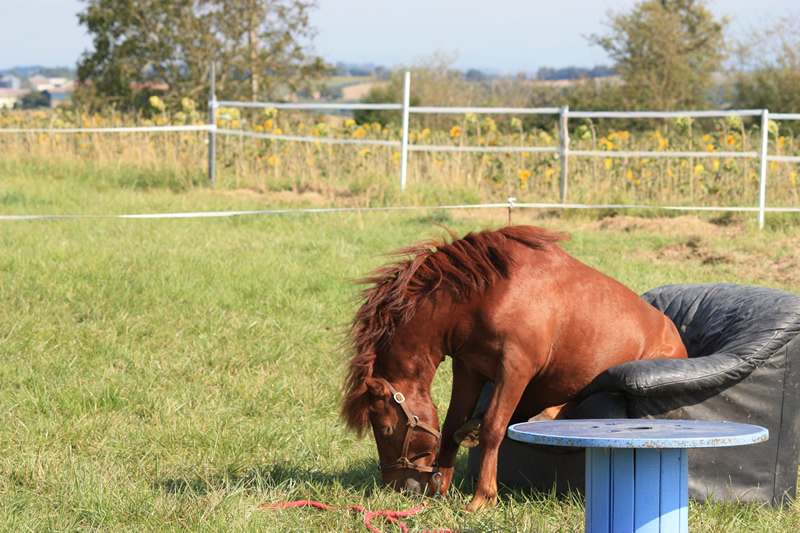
404 143
762 181
212 121
564 131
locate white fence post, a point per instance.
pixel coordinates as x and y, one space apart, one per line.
212 121
762 181
404 143
562 124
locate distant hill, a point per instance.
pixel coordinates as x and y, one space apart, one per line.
23 71
47 72
573 73
379 72
362 70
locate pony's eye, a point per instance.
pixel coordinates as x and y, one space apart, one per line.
387 432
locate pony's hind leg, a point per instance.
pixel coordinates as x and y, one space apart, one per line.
467 435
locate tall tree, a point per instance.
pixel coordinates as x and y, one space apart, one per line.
261 48
666 52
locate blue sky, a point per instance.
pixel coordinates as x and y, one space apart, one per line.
502 35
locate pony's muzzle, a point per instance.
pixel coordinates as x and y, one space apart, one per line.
412 485
426 487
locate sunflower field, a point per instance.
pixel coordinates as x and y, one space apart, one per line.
351 174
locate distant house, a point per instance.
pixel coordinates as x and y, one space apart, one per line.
60 95
40 83
9 97
9 81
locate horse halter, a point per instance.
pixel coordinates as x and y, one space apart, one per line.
404 461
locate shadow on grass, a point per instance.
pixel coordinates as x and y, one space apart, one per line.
465 484
362 477
528 495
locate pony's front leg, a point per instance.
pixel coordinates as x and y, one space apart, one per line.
507 394
463 398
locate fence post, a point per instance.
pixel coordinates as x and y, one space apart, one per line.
404 142
212 121
762 181
564 131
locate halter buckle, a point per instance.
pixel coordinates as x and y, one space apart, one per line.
437 479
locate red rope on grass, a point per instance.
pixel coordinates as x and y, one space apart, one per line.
390 516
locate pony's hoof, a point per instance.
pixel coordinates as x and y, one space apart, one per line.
478 504
467 435
540 417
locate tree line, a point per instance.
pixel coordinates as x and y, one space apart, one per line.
667 55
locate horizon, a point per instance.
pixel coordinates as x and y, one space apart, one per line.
35 69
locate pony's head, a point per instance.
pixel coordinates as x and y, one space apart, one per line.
403 419
406 430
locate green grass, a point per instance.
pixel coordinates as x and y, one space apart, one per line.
177 374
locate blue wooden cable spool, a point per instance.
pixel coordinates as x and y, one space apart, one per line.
637 471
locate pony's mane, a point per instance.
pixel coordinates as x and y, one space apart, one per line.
462 267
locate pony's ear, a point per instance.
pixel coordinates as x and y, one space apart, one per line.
377 387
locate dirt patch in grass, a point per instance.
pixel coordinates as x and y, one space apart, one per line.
758 264
709 244
323 196
713 244
693 249
786 269
682 225
685 225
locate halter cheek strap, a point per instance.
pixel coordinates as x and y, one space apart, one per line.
409 462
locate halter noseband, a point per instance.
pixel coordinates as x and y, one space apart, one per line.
408 462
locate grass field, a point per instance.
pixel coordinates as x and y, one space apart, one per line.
177 374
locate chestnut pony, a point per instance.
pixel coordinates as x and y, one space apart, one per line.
509 307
